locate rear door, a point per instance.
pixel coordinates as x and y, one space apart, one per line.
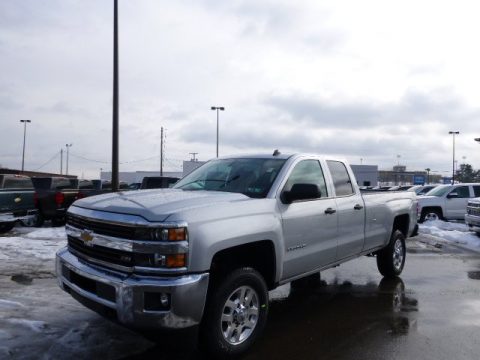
350 210
309 226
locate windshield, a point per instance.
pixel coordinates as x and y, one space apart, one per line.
252 177
439 191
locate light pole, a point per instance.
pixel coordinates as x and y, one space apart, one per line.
24 137
218 108
453 133
68 148
428 175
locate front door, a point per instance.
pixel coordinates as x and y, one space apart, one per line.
309 226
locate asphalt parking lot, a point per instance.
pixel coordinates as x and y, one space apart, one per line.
431 312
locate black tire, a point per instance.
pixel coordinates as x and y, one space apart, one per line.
391 259
308 282
216 336
430 214
39 220
6 227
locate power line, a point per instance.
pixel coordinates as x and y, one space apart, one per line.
51 159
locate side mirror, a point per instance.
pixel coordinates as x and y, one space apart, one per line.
301 192
452 195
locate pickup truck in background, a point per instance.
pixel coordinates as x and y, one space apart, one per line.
472 217
16 201
446 202
53 196
158 182
208 250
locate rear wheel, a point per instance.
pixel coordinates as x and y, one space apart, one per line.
391 259
235 313
58 222
6 227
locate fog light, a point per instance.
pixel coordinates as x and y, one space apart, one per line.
176 261
164 300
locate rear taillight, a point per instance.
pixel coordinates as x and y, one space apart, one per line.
35 199
59 198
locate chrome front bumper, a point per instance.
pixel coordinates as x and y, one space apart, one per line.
11 217
126 296
473 222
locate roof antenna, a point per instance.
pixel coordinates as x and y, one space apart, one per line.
276 152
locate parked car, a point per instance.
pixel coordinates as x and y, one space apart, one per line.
158 182
446 202
472 217
422 189
53 196
208 250
16 201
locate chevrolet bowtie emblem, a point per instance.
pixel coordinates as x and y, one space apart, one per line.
87 236
18 199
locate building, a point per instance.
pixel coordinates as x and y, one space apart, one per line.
400 176
33 173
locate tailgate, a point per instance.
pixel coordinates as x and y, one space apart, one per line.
16 201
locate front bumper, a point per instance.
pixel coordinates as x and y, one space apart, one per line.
127 296
28 215
473 222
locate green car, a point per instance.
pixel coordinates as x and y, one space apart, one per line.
17 201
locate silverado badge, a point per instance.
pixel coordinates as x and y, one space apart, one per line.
87 237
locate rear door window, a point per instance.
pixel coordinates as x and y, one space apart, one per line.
476 191
341 179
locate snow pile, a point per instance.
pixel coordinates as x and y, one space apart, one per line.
38 243
453 232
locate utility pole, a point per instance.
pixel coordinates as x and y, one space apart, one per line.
193 156
24 138
115 180
68 148
218 108
453 133
61 161
161 152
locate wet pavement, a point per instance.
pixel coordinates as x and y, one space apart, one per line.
431 312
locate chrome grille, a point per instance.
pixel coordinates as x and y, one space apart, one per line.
102 228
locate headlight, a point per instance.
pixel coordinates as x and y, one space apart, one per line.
162 234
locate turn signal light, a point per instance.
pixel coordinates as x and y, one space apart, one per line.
176 261
177 234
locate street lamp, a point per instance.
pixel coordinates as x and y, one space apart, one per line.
453 133
68 148
218 108
477 140
428 175
24 137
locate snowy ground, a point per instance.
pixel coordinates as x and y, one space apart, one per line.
451 232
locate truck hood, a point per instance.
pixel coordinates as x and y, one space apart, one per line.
158 204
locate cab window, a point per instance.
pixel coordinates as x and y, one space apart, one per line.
462 192
307 172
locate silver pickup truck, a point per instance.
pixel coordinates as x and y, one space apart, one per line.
208 250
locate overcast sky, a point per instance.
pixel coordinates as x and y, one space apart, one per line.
371 80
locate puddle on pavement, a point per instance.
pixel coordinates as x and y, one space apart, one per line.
474 275
22 279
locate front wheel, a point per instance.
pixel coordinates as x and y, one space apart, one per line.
235 313
391 259
430 215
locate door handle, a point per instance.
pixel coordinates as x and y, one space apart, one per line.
330 211
358 207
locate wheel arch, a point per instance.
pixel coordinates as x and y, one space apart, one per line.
259 255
